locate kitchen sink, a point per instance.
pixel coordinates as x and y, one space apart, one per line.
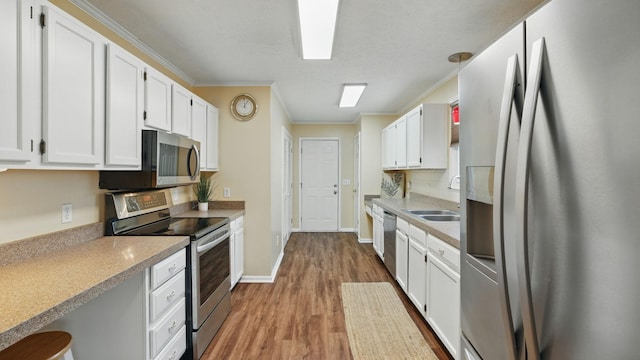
431 212
441 217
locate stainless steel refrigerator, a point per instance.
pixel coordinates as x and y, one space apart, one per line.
550 158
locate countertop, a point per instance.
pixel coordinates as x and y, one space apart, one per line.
232 214
40 289
447 231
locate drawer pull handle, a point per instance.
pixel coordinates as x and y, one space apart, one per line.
171 295
173 326
173 355
172 268
441 252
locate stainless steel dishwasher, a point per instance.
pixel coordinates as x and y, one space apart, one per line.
390 242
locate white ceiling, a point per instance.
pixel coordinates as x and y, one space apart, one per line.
398 47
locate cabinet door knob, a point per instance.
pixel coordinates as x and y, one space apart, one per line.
171 295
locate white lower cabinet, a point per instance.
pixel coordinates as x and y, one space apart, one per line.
166 308
237 250
417 276
141 318
402 253
378 231
443 292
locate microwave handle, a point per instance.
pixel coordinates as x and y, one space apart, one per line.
192 175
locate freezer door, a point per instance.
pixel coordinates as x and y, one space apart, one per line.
481 85
584 181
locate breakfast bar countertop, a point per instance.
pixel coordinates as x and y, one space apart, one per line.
38 289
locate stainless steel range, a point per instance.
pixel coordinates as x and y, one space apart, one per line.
208 265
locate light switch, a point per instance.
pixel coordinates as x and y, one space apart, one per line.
226 192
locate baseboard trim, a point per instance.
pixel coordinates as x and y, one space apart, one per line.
365 241
264 279
340 230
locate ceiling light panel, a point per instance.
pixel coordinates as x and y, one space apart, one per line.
351 94
317 27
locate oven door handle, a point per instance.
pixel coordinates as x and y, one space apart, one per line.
212 243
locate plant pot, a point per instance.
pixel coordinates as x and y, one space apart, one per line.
203 206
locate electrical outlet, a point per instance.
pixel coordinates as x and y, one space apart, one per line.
226 192
67 213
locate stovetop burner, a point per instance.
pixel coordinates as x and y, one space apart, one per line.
195 227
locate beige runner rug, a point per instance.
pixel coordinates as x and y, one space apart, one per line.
379 326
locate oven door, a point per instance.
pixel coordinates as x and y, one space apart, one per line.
210 273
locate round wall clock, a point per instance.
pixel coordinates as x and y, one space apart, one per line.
244 107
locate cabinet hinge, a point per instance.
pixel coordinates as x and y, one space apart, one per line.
425 258
42 147
144 76
31 145
42 20
420 112
31 12
144 115
191 102
425 307
420 160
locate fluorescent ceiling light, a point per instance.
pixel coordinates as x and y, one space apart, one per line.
351 94
317 26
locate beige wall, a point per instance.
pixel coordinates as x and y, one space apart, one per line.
346 134
279 123
370 163
245 168
31 200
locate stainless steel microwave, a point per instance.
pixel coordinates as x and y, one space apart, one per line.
167 160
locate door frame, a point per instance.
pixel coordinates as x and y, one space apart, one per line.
328 138
356 183
287 171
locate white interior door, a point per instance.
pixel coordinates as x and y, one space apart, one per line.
356 183
319 184
287 186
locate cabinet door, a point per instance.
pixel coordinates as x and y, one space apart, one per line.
199 128
74 74
212 138
125 91
389 147
180 110
157 100
402 254
435 136
17 91
444 303
401 143
417 276
414 137
239 255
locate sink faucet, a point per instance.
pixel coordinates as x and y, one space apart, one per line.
453 179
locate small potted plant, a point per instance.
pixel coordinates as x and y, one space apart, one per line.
203 191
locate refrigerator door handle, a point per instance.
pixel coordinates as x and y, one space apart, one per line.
511 94
522 199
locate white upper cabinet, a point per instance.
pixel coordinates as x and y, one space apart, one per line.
74 85
421 139
180 110
212 138
401 142
157 100
199 128
389 147
414 137
125 92
17 90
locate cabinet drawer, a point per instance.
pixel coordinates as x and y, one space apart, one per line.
444 251
166 295
167 327
418 235
168 267
402 225
176 347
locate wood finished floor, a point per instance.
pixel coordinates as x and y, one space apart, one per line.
300 315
